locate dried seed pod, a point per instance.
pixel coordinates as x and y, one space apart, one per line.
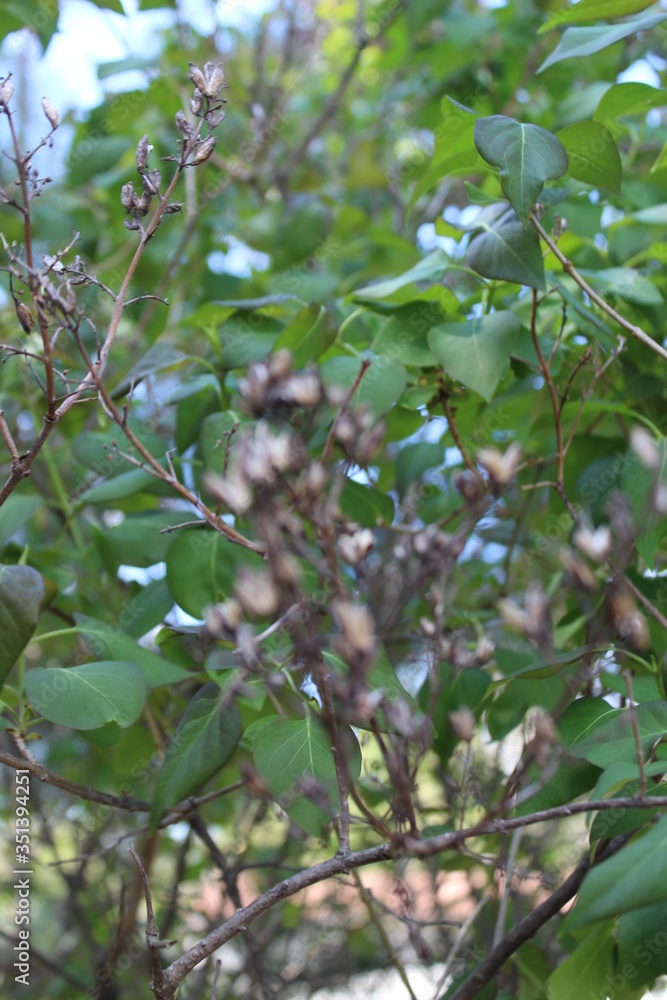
25 316
183 125
215 117
51 112
6 92
151 182
127 196
198 78
173 207
142 153
204 150
196 101
215 79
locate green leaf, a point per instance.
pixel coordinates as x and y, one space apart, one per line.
609 738
201 568
383 382
137 541
110 640
580 42
527 156
309 334
413 460
366 505
430 269
633 878
107 69
626 99
21 596
589 966
292 755
476 352
245 338
642 936
592 155
595 10
505 251
89 696
404 335
627 283
204 741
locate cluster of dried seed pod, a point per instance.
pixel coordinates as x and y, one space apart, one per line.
195 150
137 203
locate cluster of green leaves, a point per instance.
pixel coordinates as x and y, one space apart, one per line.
398 245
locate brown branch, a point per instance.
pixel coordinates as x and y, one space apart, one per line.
365 365
152 936
552 391
153 465
450 414
570 269
530 925
405 847
125 802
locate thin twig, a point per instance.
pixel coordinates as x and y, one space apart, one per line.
552 391
530 925
509 873
368 901
570 269
152 936
365 365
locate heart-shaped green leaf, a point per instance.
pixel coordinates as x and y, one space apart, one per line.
476 352
21 596
505 251
201 568
527 156
592 155
294 759
89 696
204 741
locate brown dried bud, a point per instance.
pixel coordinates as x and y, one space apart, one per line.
358 628
215 79
645 448
198 78
257 592
463 724
25 316
594 544
204 150
580 572
151 182
6 92
51 112
221 618
183 125
512 614
127 196
470 485
196 101
354 548
500 467
142 153
215 117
